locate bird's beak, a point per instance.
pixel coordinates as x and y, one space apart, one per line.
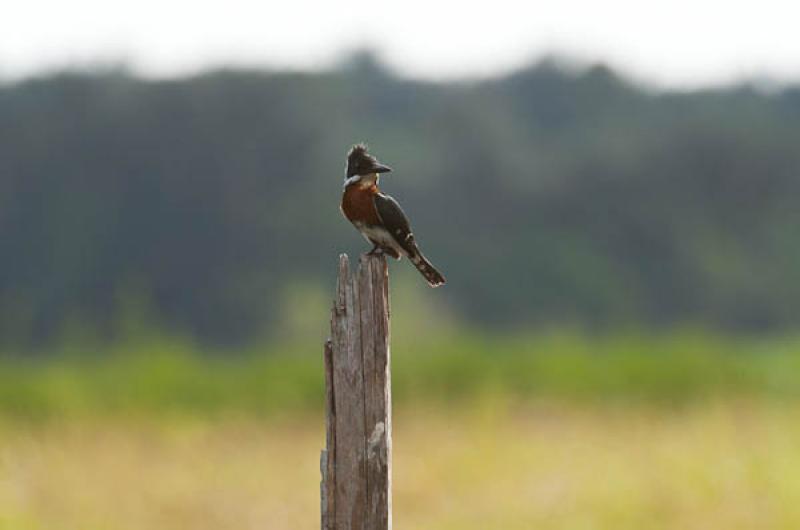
380 168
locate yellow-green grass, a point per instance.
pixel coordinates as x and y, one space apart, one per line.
166 376
558 431
717 464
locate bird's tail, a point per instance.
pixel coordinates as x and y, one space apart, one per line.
432 276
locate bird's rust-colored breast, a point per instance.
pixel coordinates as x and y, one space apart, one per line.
358 204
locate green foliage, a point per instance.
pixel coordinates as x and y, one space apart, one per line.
456 370
547 197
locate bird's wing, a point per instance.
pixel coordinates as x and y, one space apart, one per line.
396 222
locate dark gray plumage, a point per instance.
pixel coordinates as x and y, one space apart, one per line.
396 223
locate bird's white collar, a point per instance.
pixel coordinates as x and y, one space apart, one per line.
351 180
366 180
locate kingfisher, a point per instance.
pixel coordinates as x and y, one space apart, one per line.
378 216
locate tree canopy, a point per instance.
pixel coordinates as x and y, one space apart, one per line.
545 196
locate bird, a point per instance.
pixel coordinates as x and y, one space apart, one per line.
378 216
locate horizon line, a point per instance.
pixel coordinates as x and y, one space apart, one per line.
570 64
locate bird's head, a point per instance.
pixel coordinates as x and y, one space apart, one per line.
362 164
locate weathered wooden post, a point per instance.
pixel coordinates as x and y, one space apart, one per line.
356 464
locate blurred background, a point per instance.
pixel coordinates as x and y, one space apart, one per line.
610 190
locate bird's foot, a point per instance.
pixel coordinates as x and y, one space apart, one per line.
376 251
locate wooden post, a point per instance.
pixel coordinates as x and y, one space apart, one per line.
356 464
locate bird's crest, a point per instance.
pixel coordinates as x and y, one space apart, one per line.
360 162
356 153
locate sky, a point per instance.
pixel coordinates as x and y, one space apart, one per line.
673 44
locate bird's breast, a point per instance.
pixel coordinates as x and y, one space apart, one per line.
358 205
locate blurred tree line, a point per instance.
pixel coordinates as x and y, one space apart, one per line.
546 196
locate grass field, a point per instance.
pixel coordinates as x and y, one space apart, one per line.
165 376
558 431
713 465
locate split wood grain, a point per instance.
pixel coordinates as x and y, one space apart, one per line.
356 463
